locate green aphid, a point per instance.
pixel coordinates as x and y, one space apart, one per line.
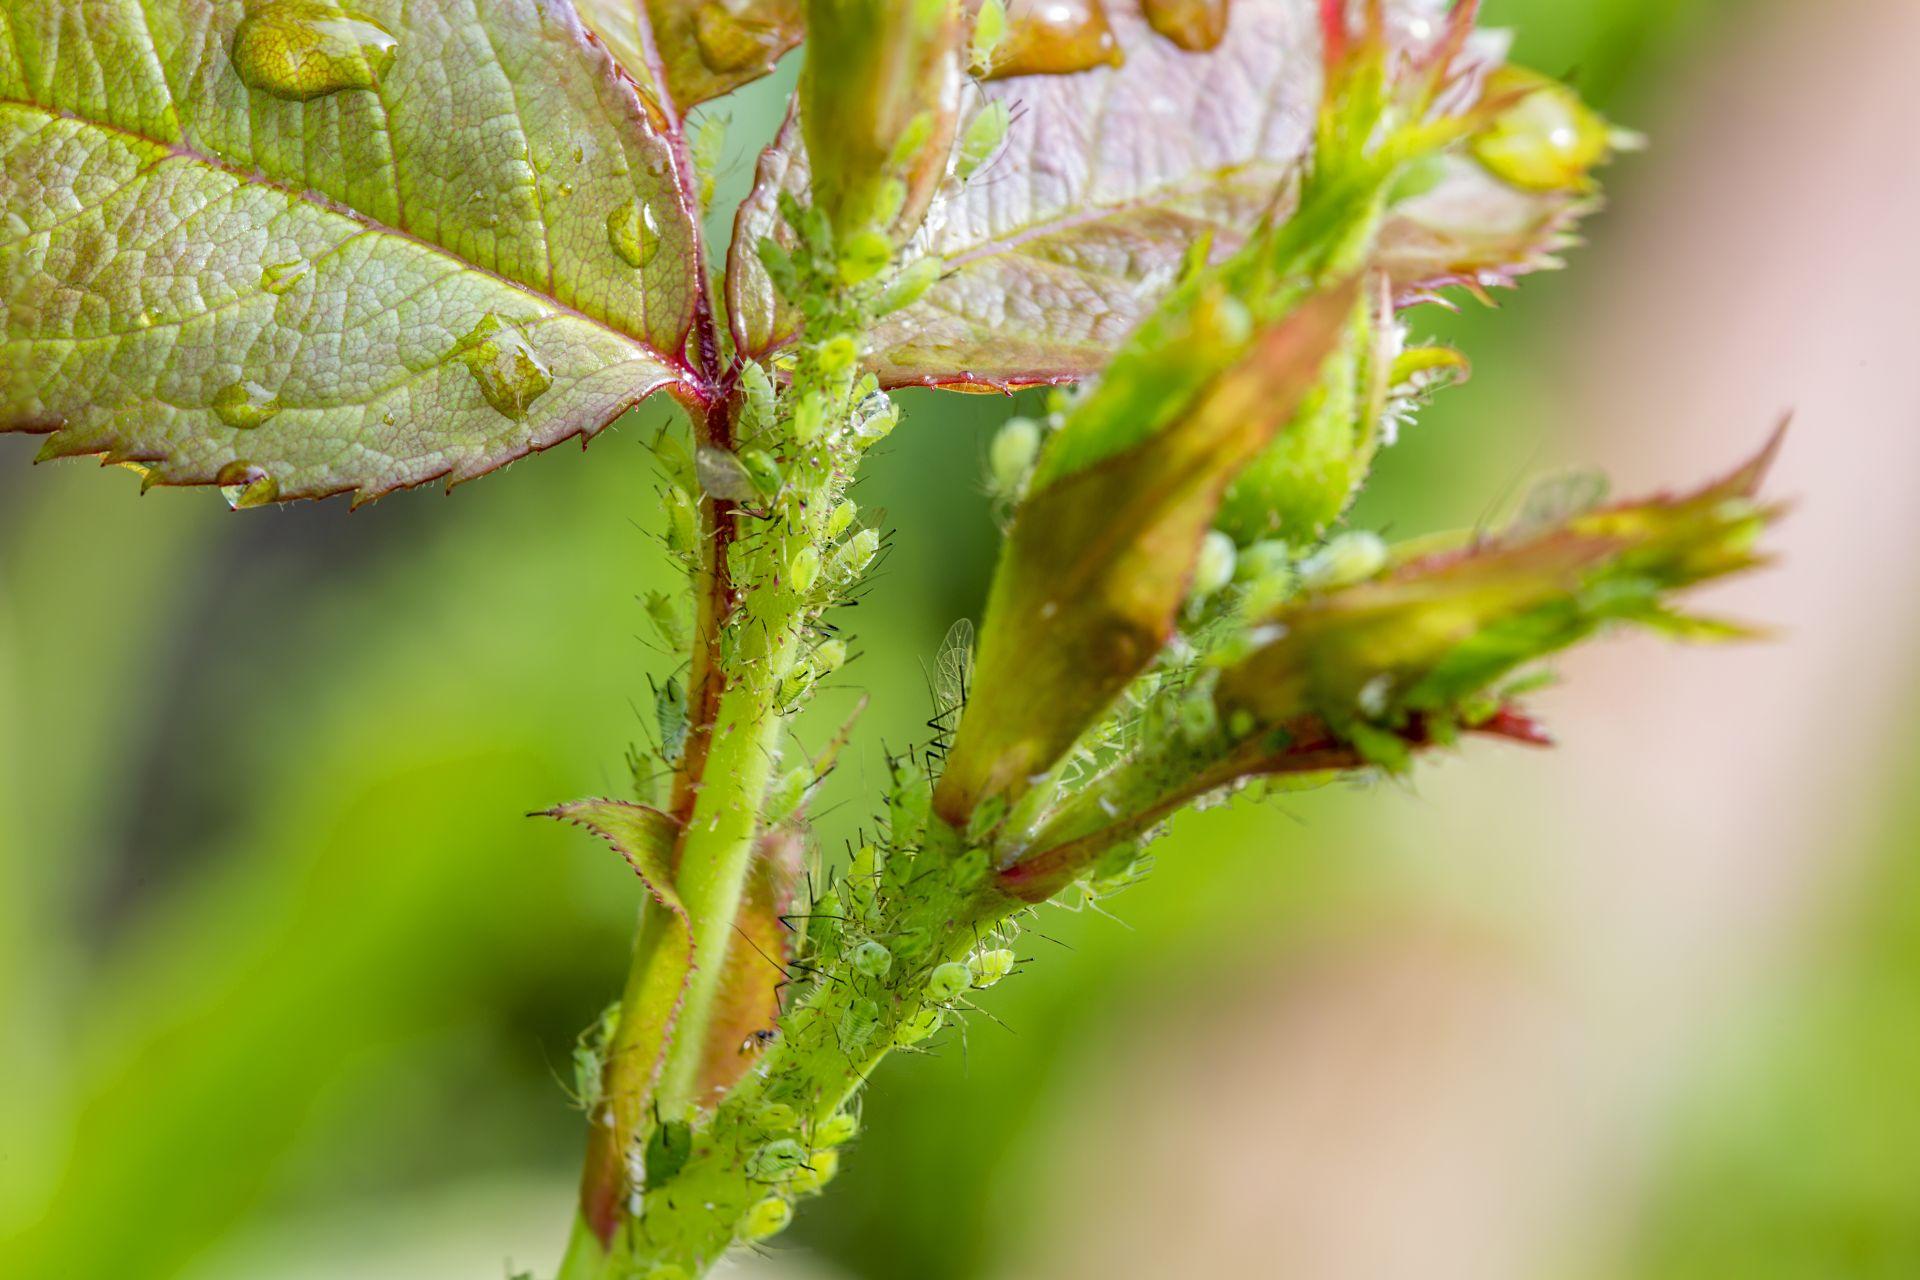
872 959
774 1161
947 981
664 614
669 1147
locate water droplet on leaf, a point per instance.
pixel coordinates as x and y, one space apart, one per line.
1194 25
301 50
244 485
1057 37
505 365
634 234
244 405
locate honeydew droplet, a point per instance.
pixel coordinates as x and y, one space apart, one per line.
244 405
280 277
1195 25
1057 37
508 370
300 50
244 485
634 233
728 42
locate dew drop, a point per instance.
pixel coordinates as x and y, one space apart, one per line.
728 42
302 49
279 277
508 370
244 405
634 234
1195 25
244 485
1057 37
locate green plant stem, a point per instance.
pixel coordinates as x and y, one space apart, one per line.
715 856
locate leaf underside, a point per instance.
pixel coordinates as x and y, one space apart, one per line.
1110 178
236 258
703 50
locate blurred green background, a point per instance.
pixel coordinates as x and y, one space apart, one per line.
287 981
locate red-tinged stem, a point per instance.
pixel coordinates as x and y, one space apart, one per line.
1312 748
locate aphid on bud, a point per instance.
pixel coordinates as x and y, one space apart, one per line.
779 1117
985 819
1124 864
910 802
874 419
858 1022
668 1149
919 1027
947 981
780 267
787 794
723 474
763 471
910 285
990 966
913 139
757 396
1346 559
864 255
1196 717
989 29
664 614
1214 569
855 556
969 869
809 417
829 657
774 1161
872 959
836 1130
983 136
1011 456
838 355
842 519
683 522
768 1218
815 1174
803 570
709 143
